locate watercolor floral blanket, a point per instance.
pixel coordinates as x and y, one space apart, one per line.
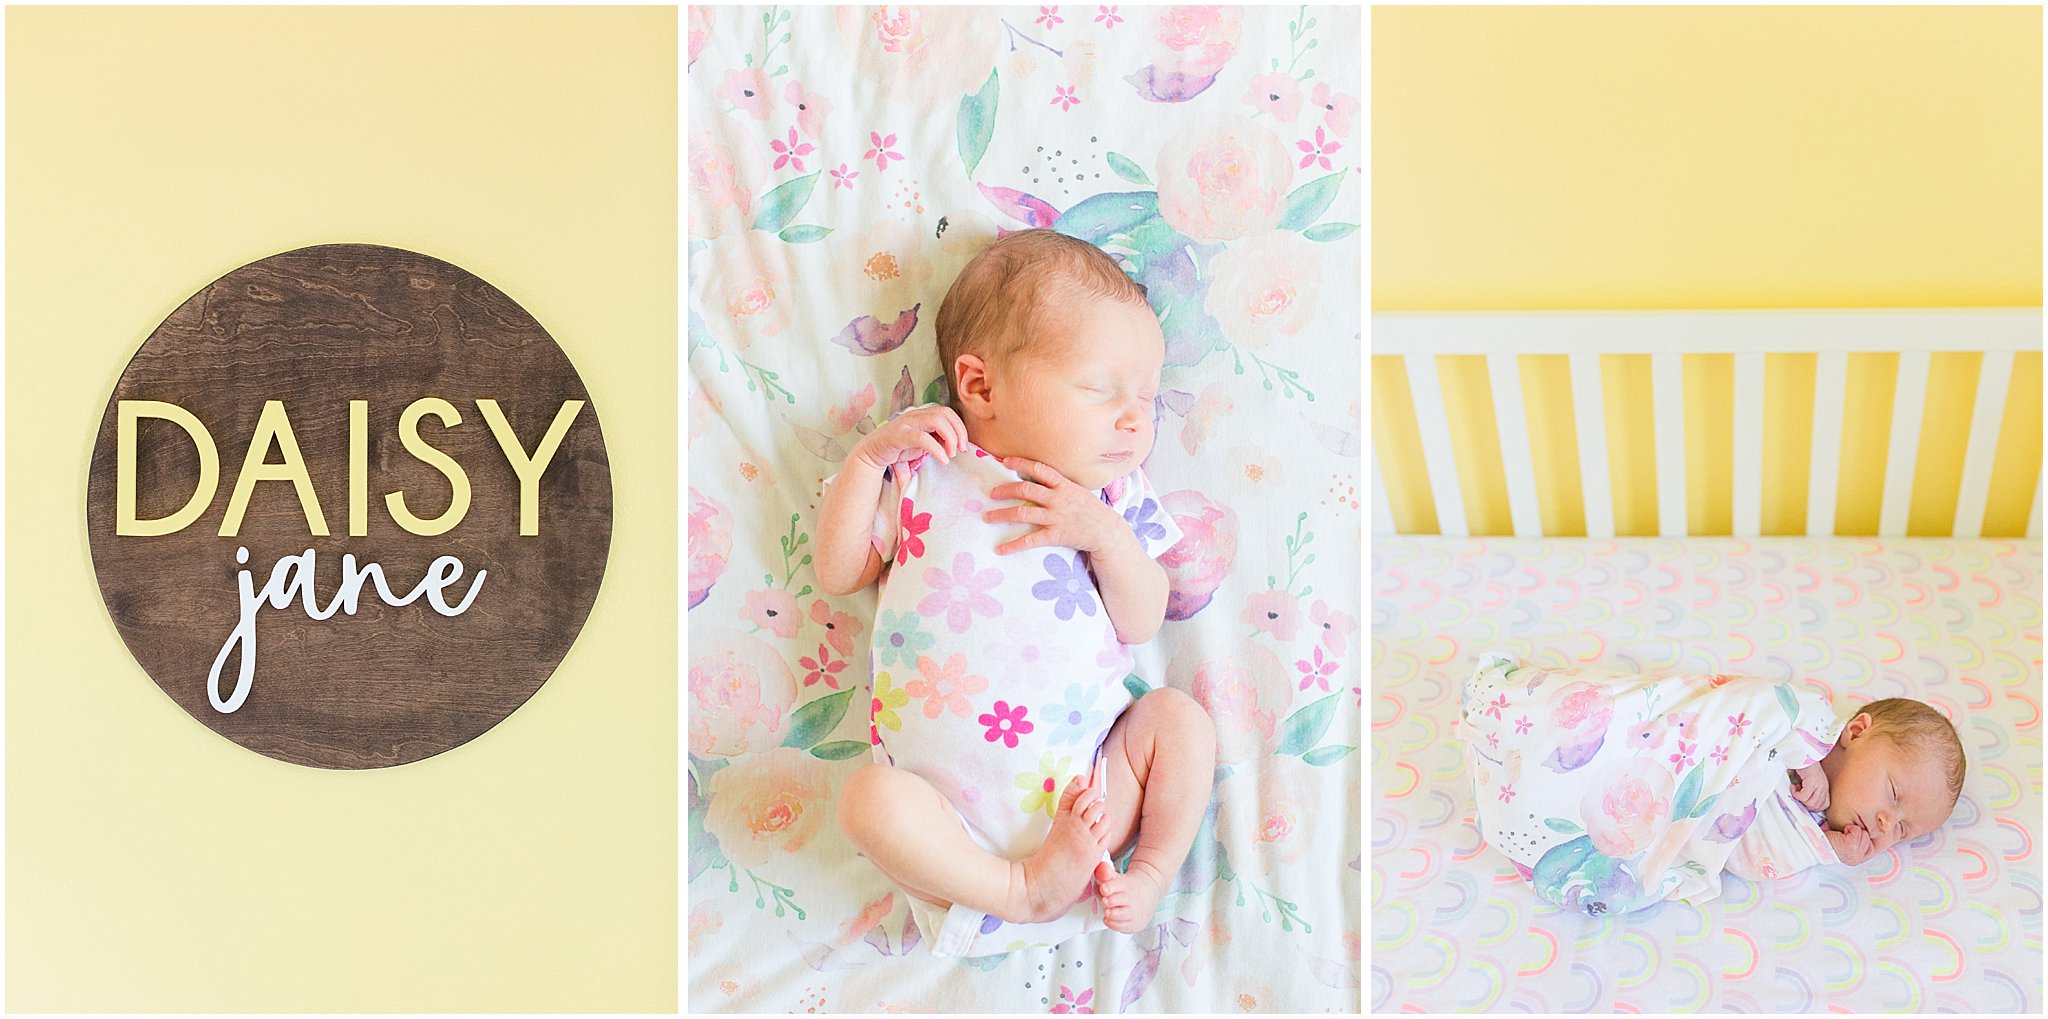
843 165
1613 791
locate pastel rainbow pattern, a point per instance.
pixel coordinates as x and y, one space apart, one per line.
1948 922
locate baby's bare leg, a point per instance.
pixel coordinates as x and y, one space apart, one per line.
913 836
1160 760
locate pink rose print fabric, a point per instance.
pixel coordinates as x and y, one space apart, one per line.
1612 792
998 735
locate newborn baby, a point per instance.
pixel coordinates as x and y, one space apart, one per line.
1895 774
1611 792
1010 763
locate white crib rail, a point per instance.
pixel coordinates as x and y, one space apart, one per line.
1914 333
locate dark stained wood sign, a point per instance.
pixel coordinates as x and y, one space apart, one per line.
349 506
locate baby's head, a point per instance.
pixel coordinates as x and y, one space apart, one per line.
1898 768
1051 353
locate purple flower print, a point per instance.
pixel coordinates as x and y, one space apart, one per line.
1006 724
1147 530
1070 587
960 594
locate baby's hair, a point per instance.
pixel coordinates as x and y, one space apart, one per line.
996 303
1914 728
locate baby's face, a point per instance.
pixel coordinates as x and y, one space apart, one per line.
1897 796
1080 397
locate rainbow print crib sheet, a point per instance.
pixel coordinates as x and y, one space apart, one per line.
1948 922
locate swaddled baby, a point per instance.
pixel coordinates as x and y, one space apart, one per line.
1611 792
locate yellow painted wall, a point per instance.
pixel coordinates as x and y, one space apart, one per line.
1558 158
155 866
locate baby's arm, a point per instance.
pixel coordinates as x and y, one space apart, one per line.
847 561
1853 845
1133 587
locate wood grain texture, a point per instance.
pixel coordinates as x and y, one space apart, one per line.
316 328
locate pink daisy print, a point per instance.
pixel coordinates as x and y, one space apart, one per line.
1682 758
882 151
1738 722
1507 794
1720 755
1522 725
791 153
1108 18
1063 97
1319 152
1049 16
1006 724
914 523
844 178
1494 708
1070 1003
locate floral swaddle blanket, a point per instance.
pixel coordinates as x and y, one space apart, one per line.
1612 792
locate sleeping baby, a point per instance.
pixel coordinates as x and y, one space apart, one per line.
1612 792
1016 539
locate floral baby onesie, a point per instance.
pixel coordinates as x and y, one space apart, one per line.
996 677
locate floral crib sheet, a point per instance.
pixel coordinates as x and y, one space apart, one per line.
843 165
1950 921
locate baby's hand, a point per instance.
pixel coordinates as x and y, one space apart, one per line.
1068 514
912 434
1852 844
1810 787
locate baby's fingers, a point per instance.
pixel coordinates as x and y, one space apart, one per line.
1073 791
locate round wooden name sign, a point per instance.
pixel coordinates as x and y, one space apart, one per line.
349 506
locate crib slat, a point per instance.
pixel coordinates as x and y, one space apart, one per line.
1589 412
1516 460
1985 414
1435 426
1667 396
1903 457
1382 507
1749 445
1830 386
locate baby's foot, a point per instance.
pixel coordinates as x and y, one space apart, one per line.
1056 876
1129 898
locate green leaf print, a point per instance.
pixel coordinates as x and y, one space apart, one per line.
1127 170
1705 806
1327 755
1303 728
1790 702
805 234
781 205
1330 231
1688 794
1561 825
1311 200
839 750
977 123
810 723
